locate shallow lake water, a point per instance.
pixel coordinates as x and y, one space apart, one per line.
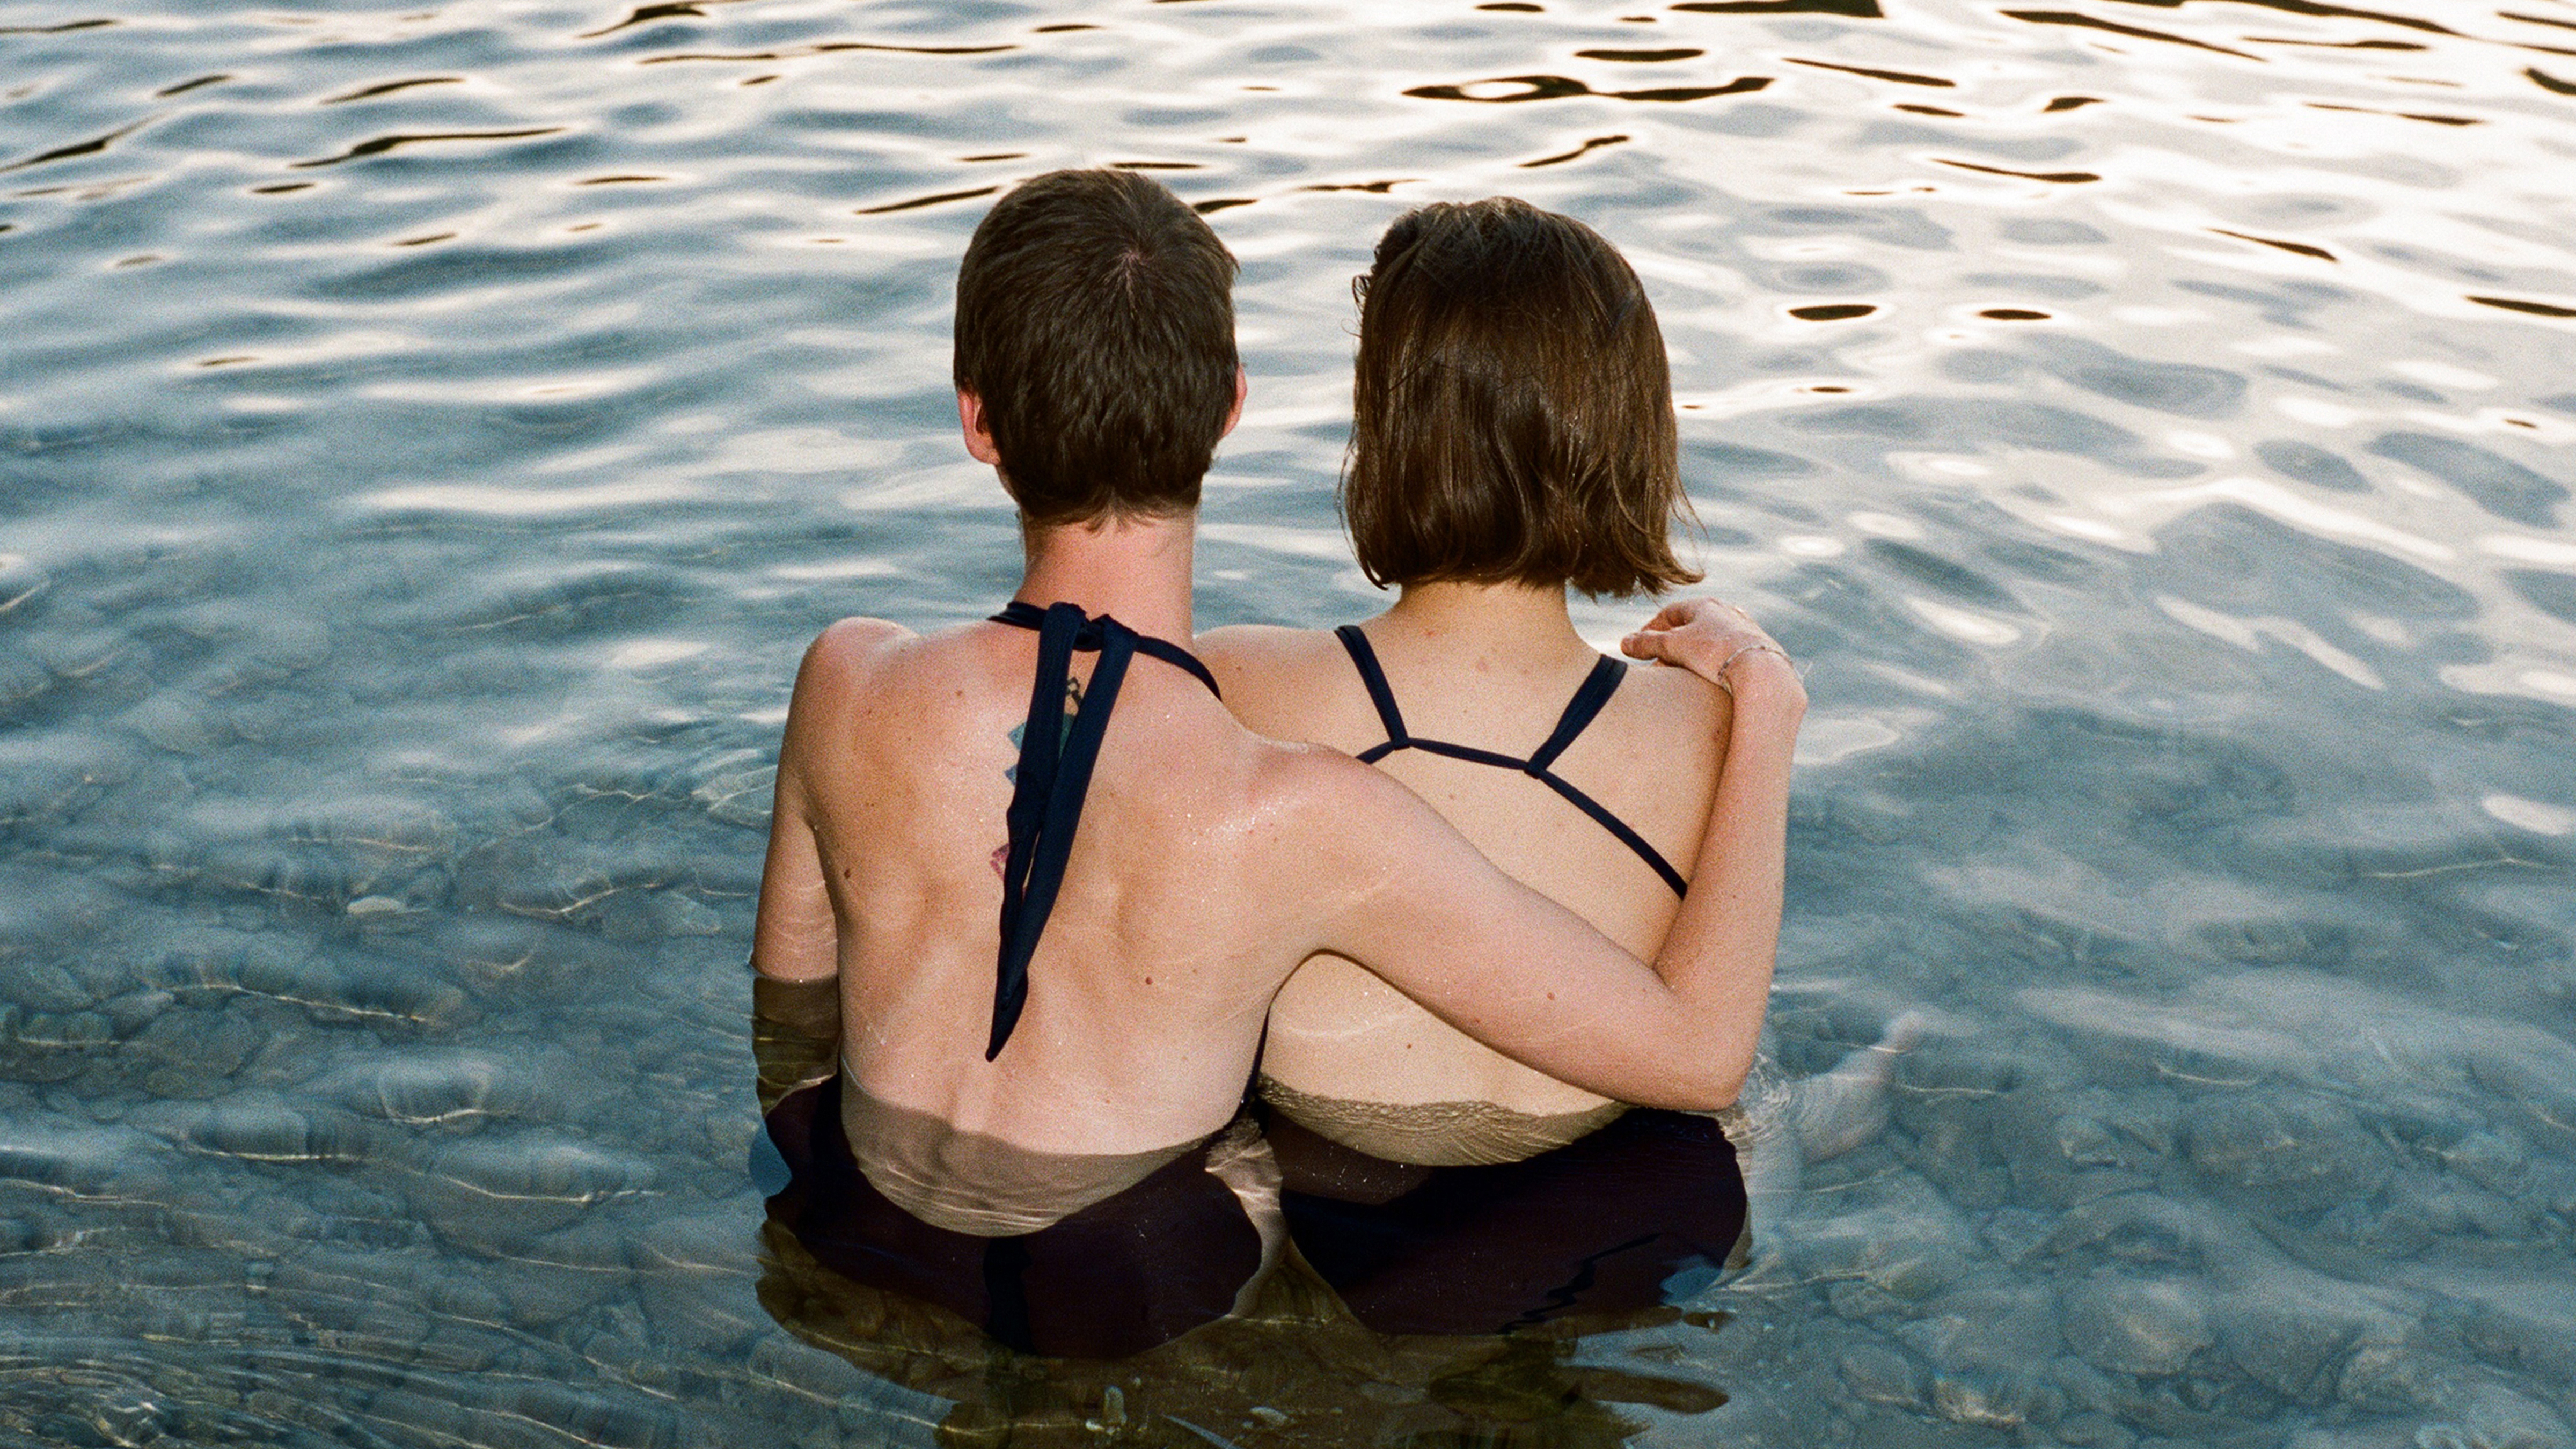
430 433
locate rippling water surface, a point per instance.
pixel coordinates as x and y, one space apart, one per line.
429 433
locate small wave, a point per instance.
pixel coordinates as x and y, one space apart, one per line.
382 144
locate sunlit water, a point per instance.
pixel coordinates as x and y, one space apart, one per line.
428 434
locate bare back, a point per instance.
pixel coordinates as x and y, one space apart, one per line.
1149 985
1338 1036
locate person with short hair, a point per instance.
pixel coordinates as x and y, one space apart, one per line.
1059 885
1513 437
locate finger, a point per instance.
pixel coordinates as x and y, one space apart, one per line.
1656 644
1670 614
1682 611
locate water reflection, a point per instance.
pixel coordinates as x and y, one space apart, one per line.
384 737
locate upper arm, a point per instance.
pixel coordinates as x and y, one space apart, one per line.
1415 903
797 937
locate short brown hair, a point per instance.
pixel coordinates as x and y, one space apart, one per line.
1512 413
1095 319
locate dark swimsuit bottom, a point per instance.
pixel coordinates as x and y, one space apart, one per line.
1597 1226
1138 1268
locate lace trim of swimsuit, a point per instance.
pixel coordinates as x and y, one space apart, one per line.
1435 1134
1579 713
1054 774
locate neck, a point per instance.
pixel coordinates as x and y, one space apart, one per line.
1136 569
1505 620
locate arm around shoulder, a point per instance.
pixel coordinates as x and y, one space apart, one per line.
1404 894
1726 938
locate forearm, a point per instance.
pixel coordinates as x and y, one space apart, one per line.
1718 957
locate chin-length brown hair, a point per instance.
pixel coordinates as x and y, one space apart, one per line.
1095 319
1511 414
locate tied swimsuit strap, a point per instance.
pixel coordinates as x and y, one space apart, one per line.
1580 711
1054 774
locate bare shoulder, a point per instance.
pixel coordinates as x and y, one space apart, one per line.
852 645
1669 701
845 665
1267 673
1250 651
1316 806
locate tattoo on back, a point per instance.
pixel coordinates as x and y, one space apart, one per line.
1064 727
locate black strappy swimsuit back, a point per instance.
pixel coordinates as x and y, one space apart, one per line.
1580 711
1054 774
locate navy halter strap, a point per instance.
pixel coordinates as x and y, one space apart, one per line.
1597 688
1054 774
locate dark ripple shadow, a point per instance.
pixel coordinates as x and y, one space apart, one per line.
916 203
379 145
2519 304
89 147
387 88
1586 149
836 47
647 14
1640 57
2061 178
2337 44
2426 117
1851 9
1557 87
2297 248
1901 77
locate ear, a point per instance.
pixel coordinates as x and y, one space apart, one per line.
979 439
1234 414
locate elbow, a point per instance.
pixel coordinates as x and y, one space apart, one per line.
1717 1086
1716 1095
